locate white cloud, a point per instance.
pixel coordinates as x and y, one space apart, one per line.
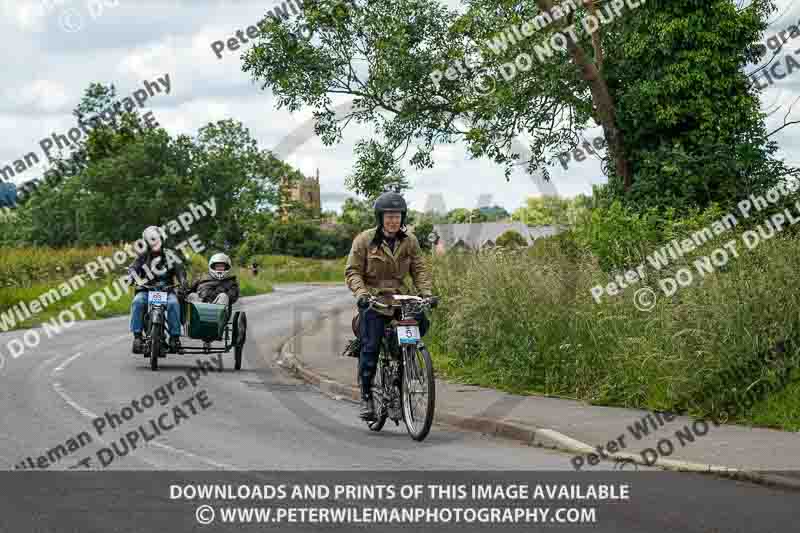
150 62
27 15
40 95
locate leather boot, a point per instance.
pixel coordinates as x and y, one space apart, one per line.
174 344
367 411
138 343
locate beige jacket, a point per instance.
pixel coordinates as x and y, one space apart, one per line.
373 269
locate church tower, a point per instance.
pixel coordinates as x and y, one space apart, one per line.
305 191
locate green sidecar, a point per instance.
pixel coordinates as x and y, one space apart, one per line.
214 323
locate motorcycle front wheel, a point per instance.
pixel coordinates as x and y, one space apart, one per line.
418 391
156 340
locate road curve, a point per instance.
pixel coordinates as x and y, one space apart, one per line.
261 419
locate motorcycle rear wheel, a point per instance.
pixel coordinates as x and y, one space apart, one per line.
378 395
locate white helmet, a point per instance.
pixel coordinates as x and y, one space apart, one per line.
219 258
152 236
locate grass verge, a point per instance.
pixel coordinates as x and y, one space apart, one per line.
286 269
110 304
526 323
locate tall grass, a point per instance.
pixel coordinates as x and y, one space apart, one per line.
286 269
44 262
25 267
250 285
10 297
526 322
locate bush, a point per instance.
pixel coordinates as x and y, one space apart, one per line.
511 239
622 238
422 232
298 239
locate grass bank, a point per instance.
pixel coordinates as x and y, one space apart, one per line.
45 262
286 269
29 266
527 323
31 272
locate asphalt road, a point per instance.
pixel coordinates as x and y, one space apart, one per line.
261 419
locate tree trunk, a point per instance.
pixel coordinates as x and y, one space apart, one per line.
601 99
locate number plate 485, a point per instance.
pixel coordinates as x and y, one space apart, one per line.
157 297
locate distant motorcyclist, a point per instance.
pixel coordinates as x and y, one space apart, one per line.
218 286
156 264
379 260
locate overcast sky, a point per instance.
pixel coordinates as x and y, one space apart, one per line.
54 48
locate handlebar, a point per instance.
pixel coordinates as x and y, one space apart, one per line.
156 287
428 303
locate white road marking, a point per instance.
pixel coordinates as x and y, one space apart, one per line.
280 298
89 414
60 367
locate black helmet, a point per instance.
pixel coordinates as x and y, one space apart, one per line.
390 201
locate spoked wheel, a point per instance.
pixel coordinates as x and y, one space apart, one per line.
241 333
378 395
156 337
419 391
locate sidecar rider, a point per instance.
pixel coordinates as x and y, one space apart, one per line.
219 285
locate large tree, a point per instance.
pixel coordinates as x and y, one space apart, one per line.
122 178
664 80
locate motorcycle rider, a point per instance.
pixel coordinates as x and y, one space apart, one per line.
379 260
156 264
219 286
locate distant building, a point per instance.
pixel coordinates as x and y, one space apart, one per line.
305 192
480 236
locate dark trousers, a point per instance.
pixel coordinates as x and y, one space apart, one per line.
371 328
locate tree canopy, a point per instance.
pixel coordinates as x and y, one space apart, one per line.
121 179
665 80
